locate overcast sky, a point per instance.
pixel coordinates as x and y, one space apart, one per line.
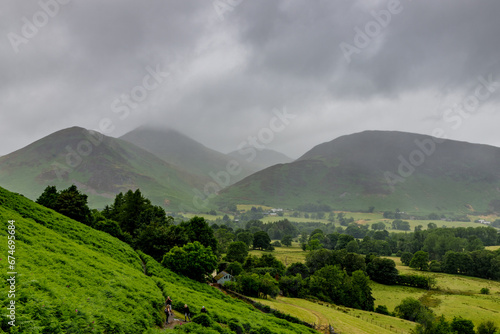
290 73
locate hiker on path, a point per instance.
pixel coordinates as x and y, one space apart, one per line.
187 314
168 301
203 309
168 307
168 312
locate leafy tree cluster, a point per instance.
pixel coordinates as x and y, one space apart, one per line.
413 310
192 260
69 202
311 207
399 224
483 263
479 263
437 241
344 284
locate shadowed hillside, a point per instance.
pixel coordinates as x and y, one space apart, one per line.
385 169
99 165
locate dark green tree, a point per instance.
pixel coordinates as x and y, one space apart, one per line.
237 251
406 258
297 268
462 326
197 229
193 260
487 327
382 271
261 240
413 310
73 204
234 268
48 198
246 237
153 239
420 261
287 240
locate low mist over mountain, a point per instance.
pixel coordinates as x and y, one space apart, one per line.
260 159
194 157
100 166
385 169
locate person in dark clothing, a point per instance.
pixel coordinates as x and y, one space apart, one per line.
168 307
187 314
203 309
168 312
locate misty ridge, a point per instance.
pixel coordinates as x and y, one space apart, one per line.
385 169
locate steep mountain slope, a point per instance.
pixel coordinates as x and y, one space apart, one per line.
261 159
69 278
99 165
188 154
385 169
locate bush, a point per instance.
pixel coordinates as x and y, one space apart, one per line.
462 326
202 319
235 326
487 327
485 291
382 309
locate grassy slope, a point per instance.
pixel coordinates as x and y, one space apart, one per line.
344 320
72 278
456 295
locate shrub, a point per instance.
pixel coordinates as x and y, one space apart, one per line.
382 309
462 326
487 327
485 291
235 326
202 319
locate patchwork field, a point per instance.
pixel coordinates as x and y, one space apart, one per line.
455 295
344 320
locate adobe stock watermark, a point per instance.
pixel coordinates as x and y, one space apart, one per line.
454 118
221 7
31 26
248 149
121 107
371 30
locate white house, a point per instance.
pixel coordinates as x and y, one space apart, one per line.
223 277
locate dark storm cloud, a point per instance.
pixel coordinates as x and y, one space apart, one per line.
230 69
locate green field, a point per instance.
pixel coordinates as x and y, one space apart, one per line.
287 255
344 320
455 295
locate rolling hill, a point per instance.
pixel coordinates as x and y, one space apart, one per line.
385 169
100 166
262 159
189 155
70 278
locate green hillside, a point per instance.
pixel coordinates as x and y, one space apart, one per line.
99 165
73 279
384 169
189 155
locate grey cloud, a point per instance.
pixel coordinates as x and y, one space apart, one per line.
228 75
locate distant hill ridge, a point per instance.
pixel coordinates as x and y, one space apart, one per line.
194 157
386 169
100 165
